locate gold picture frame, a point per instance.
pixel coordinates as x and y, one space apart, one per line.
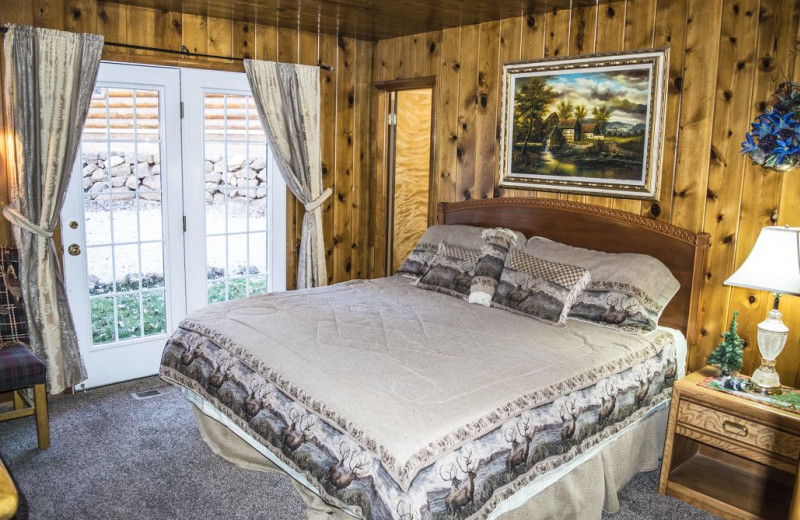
592 125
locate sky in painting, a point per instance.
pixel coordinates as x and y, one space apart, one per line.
625 92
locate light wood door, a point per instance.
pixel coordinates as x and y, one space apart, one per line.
410 172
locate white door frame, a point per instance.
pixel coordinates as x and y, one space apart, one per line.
182 201
137 357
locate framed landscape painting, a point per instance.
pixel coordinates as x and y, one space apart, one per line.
590 124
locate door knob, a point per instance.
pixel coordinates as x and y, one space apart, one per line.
74 249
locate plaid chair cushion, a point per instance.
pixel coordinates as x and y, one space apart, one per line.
19 368
13 322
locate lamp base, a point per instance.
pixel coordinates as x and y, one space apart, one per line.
765 379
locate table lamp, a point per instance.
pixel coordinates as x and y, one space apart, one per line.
773 265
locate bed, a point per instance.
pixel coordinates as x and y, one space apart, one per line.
382 400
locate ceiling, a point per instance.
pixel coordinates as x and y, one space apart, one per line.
362 19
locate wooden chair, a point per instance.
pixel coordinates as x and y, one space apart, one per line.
20 369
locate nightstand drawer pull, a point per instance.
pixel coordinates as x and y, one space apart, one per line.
735 428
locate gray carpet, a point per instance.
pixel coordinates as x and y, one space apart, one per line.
115 457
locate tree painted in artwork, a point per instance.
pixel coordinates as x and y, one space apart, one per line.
564 110
580 117
530 102
601 116
728 354
580 114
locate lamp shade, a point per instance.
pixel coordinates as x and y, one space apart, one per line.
773 264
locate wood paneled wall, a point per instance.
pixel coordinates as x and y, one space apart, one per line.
345 98
726 57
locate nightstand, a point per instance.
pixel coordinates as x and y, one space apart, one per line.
733 457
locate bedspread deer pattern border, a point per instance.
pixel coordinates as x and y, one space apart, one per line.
467 481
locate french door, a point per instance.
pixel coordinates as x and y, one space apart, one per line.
235 197
165 214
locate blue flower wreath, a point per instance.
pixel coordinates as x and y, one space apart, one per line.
774 141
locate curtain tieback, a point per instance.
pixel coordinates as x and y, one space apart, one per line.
314 204
19 220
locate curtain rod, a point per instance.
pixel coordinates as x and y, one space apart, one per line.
184 51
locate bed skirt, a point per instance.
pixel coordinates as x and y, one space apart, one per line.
581 489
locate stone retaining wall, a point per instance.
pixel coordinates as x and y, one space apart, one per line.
237 176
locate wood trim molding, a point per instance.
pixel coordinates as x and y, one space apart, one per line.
406 84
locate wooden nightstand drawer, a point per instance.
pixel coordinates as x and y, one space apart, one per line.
729 426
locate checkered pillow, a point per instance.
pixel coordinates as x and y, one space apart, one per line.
562 274
538 288
628 291
13 322
451 270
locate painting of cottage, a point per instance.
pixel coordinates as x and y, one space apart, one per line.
580 125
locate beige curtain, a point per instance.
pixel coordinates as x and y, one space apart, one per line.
287 98
49 77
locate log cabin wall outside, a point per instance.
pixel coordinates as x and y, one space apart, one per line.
726 58
345 99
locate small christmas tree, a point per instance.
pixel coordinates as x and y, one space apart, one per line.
728 354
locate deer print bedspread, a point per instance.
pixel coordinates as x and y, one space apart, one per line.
400 403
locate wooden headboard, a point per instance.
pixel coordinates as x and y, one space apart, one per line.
603 229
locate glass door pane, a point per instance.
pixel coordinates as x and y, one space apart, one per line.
235 198
120 157
236 185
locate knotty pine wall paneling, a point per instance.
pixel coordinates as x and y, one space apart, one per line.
468 112
362 160
344 160
727 167
776 33
726 58
345 98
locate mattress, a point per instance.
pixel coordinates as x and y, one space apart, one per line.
397 402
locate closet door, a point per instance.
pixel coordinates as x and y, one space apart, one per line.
409 140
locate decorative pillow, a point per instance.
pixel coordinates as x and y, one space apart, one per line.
466 236
451 270
628 291
417 262
539 288
13 322
496 243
